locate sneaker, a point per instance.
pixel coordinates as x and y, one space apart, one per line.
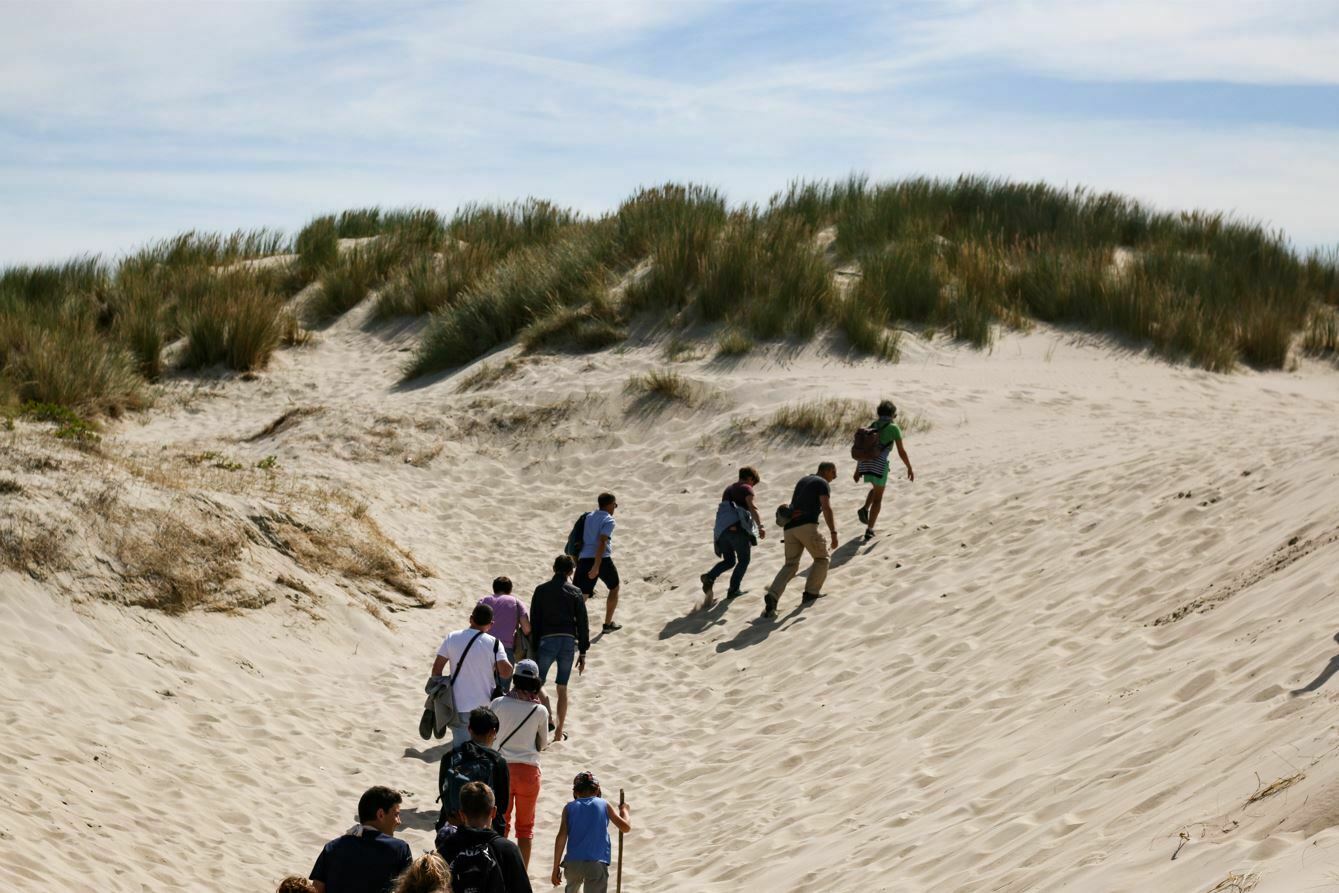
811 596
770 601
733 593
611 627
863 514
707 583
869 535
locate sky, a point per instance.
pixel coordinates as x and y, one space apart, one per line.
122 122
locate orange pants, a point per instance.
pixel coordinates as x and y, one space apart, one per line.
524 796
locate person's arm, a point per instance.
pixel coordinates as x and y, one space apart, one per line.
542 733
525 620
757 519
559 844
318 886
439 665
535 628
501 792
827 516
319 872
583 629
621 817
503 666
599 556
902 454
514 875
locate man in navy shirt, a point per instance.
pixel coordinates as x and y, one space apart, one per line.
370 860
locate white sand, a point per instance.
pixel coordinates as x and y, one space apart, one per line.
981 703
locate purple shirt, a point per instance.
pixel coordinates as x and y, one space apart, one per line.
507 613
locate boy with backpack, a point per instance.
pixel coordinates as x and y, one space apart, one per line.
871 448
480 859
584 833
474 760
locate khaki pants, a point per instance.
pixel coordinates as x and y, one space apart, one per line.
799 540
593 875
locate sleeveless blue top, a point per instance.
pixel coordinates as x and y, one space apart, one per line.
588 830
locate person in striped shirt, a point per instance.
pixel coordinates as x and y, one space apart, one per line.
875 471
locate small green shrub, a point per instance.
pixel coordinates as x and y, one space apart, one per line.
358 223
590 327
569 271
903 282
317 247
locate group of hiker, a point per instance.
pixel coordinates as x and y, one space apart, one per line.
486 687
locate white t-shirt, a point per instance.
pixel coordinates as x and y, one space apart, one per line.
530 739
474 682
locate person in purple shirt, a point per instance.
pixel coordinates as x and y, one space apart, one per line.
508 613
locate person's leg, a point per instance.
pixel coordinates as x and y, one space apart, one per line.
567 646
875 502
727 561
581 579
816 545
609 576
793 548
562 712
574 875
744 550
460 731
597 878
525 793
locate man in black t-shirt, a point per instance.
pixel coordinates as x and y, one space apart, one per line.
807 505
370 860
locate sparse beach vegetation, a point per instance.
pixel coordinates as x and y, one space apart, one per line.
962 257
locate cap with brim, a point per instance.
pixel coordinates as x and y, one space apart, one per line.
526 669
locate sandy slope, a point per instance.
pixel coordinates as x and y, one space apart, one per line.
985 701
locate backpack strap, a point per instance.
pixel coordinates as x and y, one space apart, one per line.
517 729
460 663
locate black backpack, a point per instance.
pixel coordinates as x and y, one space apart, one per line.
468 762
475 870
576 537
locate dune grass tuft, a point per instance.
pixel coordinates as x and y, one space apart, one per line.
663 385
733 342
818 420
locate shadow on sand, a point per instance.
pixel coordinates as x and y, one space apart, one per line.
1330 669
431 755
419 819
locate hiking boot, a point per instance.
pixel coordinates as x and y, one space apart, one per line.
707 583
770 602
863 514
611 627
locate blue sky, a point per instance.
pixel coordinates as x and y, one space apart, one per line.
121 121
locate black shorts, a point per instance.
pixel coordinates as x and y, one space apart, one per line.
608 574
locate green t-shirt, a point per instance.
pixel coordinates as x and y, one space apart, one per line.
889 433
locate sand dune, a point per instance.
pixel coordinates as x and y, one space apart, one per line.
1071 651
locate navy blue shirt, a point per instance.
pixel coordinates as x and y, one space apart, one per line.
368 863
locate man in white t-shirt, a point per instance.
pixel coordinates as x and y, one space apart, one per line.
473 659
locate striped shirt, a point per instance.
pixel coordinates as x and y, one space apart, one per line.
889 434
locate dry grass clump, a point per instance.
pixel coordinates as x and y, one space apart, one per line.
733 342
818 420
230 318
663 386
1321 337
590 327
486 374
179 559
31 546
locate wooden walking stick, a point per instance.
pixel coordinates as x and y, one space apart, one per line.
619 884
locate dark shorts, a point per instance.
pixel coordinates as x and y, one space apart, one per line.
608 574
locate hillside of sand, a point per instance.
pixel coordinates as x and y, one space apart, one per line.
1089 650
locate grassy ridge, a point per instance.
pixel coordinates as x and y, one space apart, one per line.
960 256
